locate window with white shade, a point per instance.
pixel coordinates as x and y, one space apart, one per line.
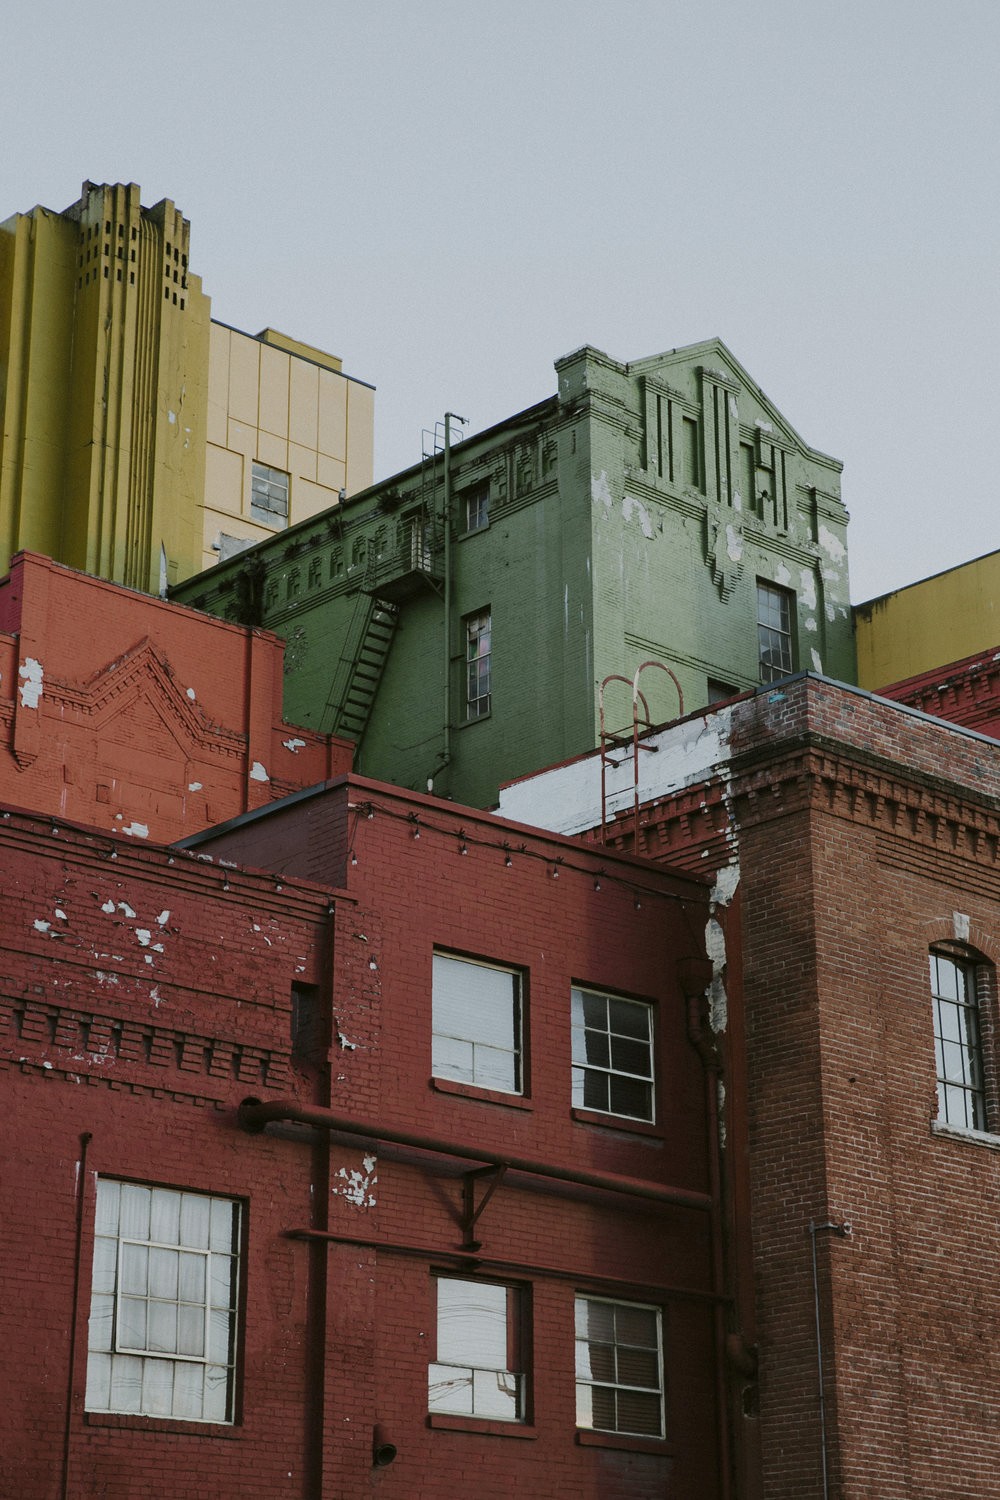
478 1370
476 1024
619 1367
162 1339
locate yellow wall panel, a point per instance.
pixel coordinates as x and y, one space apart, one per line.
272 450
333 414
218 384
930 624
242 438
303 404
331 473
244 378
224 481
360 436
302 462
273 409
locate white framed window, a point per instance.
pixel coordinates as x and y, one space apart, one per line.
478 1371
477 507
478 653
612 1054
958 1040
162 1337
269 495
619 1367
774 631
477 1024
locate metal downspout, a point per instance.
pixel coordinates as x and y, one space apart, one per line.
843 1230
446 521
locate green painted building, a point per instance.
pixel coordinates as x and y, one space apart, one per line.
661 511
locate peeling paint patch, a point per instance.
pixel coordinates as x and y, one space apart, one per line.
125 909
190 693
959 926
195 786
831 544
346 1046
257 772
171 417
600 490
31 688
807 588
782 577
294 745
40 926
734 544
143 936
810 622
358 1186
817 660
163 919
137 830
630 504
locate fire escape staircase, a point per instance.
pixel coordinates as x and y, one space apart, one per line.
366 649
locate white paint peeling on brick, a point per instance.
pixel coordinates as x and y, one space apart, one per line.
143 936
358 1186
807 587
567 799
782 576
959 926
346 1046
600 490
125 909
31 687
629 505
195 786
191 694
41 926
294 745
163 919
734 544
817 660
831 544
137 830
257 772
810 622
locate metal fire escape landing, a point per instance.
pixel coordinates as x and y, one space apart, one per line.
629 740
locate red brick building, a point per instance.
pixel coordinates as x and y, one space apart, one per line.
859 845
474 1227
137 716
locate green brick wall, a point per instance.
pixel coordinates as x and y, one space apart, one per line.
630 518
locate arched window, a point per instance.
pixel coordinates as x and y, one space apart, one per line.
958 1038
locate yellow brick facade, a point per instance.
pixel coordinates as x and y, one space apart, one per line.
129 421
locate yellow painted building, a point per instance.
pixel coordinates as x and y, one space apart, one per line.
140 440
929 624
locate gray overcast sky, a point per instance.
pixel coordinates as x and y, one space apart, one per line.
451 195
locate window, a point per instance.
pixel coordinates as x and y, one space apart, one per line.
958 1042
612 1055
163 1303
720 692
477 1024
269 495
477 507
619 1367
477 1370
477 657
774 631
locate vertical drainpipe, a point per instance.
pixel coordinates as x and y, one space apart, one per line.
446 753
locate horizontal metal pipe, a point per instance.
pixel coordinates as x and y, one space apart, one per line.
254 1114
505 1267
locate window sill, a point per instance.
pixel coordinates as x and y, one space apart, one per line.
450 1423
479 719
617 1122
588 1438
176 1425
963 1133
486 1096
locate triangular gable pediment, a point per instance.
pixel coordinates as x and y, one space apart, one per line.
142 675
683 370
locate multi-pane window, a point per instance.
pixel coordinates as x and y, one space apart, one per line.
774 631
478 1369
477 507
612 1054
478 630
619 1367
162 1339
476 1024
958 1042
269 495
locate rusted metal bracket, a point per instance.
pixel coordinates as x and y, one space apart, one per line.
471 1211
